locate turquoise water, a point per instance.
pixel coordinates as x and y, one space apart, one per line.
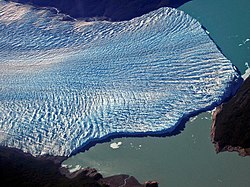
187 159
229 25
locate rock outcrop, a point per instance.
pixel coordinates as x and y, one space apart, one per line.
151 184
22 169
231 123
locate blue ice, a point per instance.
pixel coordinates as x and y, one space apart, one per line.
64 84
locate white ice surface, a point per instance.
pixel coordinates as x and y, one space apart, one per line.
63 84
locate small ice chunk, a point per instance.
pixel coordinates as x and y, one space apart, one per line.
247 65
219 180
244 42
64 166
247 40
115 145
76 168
247 73
193 119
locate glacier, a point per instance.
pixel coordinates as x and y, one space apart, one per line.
65 84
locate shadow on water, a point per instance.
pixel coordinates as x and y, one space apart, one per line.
112 10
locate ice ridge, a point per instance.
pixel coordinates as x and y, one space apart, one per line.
64 84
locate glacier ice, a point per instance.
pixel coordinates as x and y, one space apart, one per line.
64 84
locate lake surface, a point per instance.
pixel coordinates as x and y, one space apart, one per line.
228 24
187 159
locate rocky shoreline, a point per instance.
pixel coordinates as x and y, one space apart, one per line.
231 123
22 169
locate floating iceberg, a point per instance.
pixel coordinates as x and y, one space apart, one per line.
64 84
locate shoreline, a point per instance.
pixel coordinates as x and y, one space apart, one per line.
22 169
230 123
218 148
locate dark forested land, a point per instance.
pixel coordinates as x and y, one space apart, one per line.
113 10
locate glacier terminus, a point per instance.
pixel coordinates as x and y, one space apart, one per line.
64 84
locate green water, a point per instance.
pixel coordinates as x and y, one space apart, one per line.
187 159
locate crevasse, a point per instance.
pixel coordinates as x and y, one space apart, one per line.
64 84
